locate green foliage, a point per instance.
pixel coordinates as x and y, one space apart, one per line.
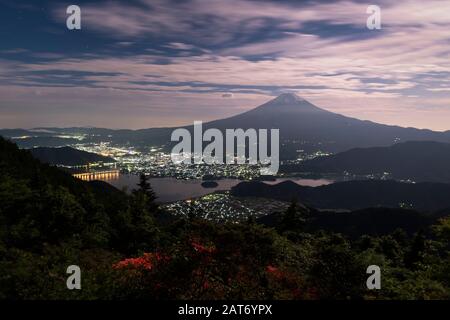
48 221
294 218
337 271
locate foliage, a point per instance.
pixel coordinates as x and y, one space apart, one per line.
48 221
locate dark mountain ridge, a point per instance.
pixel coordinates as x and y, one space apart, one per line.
68 156
354 195
420 161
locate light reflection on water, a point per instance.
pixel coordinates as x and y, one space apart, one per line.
172 189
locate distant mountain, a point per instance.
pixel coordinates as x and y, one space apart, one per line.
302 126
59 137
68 156
15 133
44 141
354 195
419 161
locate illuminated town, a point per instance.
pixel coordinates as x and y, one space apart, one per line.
221 206
154 161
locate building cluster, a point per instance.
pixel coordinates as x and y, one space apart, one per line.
221 207
158 163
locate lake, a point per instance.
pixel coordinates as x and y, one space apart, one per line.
171 189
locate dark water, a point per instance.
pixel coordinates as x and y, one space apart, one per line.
171 189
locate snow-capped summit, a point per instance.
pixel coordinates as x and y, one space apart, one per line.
288 98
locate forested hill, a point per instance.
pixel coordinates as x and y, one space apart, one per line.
40 203
419 161
353 195
68 156
49 221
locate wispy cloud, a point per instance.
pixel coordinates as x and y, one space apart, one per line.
172 55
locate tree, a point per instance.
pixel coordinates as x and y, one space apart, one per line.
415 254
442 230
294 218
146 189
337 273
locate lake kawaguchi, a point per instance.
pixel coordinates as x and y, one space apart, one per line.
172 189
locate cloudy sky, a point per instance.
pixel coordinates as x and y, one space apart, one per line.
148 63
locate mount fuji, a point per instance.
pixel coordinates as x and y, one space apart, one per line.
302 125
305 126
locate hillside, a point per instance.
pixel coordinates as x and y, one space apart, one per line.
354 195
49 221
370 221
68 156
419 161
57 206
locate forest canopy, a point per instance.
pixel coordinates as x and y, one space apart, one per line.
129 248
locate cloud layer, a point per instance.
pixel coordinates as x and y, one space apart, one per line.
168 63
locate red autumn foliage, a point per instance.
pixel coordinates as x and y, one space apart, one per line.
202 249
274 271
146 262
286 279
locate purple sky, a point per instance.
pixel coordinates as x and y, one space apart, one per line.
139 64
